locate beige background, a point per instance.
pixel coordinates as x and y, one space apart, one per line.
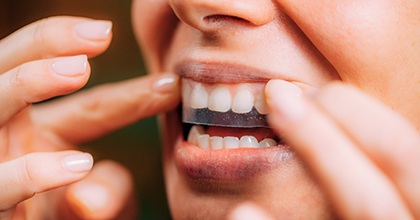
136 146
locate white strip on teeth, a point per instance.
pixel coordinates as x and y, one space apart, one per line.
197 136
240 98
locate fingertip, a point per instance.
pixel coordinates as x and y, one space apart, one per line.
70 66
94 30
103 194
248 211
78 162
166 83
285 100
90 200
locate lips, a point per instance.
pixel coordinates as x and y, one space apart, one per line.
226 150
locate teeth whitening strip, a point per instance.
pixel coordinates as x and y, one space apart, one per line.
205 116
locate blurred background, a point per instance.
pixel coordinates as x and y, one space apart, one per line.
137 146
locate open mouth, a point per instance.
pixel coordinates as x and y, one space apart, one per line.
226 137
221 116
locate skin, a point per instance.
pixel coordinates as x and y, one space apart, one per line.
37 139
355 68
372 45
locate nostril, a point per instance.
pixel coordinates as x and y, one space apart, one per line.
218 19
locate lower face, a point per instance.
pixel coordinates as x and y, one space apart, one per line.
209 183
210 169
213 168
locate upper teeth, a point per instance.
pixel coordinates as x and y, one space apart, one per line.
198 136
222 98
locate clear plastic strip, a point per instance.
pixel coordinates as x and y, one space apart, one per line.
205 116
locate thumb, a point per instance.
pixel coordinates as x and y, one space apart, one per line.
249 211
33 173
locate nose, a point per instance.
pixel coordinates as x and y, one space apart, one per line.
208 15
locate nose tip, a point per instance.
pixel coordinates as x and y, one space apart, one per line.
207 15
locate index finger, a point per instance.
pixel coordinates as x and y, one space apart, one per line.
388 138
93 113
55 36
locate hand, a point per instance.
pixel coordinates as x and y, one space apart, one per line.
364 155
38 143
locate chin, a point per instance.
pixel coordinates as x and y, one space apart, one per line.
219 150
207 183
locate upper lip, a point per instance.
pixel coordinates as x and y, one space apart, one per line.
219 72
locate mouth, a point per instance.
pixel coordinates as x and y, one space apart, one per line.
226 136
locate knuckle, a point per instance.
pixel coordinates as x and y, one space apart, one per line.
48 36
26 175
17 77
40 35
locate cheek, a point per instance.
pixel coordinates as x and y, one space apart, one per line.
154 22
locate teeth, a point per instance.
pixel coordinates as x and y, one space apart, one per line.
268 142
260 104
186 94
203 141
231 142
240 99
199 97
220 99
243 101
195 132
216 143
197 136
248 142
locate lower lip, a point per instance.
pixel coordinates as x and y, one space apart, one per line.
228 165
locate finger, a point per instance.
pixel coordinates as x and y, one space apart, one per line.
33 173
387 138
356 187
55 36
39 80
93 113
249 211
379 37
106 193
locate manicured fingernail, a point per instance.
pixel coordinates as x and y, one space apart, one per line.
70 66
78 162
92 197
166 83
285 98
94 30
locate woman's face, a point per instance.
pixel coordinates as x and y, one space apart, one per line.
225 52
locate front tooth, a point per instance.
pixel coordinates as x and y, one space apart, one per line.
260 104
195 132
216 143
199 97
186 93
243 101
248 142
231 142
220 99
268 142
203 141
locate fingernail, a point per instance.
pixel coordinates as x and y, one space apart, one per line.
285 98
94 30
92 197
70 66
166 83
78 162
